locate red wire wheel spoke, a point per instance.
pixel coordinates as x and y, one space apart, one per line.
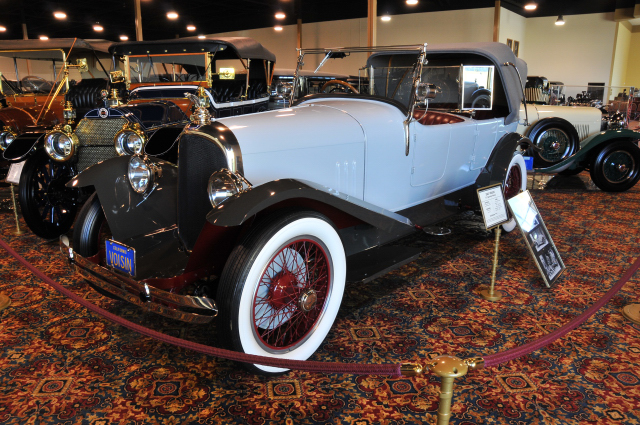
298 272
513 182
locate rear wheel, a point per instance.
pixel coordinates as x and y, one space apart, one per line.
48 207
281 288
616 168
514 182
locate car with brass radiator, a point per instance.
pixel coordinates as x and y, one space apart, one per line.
148 98
265 217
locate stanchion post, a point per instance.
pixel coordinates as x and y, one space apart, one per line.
491 294
448 368
632 312
18 231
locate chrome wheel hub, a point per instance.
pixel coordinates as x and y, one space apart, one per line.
307 300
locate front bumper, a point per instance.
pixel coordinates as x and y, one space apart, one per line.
185 308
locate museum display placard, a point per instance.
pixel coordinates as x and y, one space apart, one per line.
494 209
536 237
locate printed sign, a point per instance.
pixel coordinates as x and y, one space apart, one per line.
494 210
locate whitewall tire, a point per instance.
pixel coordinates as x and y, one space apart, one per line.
514 182
282 287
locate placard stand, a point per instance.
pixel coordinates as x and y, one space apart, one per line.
18 231
491 294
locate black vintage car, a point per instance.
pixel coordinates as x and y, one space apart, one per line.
158 79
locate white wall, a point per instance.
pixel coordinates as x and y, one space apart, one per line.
576 53
512 26
633 65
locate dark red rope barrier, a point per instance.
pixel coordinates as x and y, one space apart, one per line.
505 356
302 365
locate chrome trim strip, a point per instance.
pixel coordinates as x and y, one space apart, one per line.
141 294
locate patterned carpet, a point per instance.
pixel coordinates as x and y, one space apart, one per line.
61 364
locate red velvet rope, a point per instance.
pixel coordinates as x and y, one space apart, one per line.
302 365
505 356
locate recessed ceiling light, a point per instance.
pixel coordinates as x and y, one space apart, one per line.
530 6
44 37
172 15
277 28
2 29
60 15
385 18
191 27
124 38
280 15
98 28
412 2
201 37
560 21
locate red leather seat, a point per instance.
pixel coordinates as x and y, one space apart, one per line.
435 118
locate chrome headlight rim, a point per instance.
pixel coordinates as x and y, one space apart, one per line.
52 146
122 138
224 184
6 138
143 174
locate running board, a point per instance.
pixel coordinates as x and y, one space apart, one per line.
373 263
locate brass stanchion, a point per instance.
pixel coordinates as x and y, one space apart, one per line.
448 368
491 294
18 231
632 312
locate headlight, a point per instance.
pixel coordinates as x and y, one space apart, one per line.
142 173
6 137
129 141
224 184
60 145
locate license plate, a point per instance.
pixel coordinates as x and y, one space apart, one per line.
121 257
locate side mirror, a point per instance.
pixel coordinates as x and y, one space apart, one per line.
425 91
82 65
116 77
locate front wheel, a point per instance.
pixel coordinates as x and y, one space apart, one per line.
514 182
616 167
281 288
48 207
90 230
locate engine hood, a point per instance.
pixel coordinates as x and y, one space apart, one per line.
294 128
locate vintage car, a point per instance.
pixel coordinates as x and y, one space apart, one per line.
26 102
157 76
266 216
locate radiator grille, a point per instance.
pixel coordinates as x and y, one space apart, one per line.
198 158
96 140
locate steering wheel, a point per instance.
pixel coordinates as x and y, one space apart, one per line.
345 86
37 83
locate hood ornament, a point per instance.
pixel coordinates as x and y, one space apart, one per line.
200 115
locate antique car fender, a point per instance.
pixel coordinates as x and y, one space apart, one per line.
498 163
589 147
287 193
585 119
23 145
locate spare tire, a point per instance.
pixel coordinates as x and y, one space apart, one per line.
557 138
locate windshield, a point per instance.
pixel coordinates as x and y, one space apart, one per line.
155 114
161 92
167 68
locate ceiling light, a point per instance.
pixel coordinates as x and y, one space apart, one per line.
280 15
44 37
277 28
530 6
98 28
201 37
385 18
2 29
60 15
172 15
191 27
412 2
560 21
124 38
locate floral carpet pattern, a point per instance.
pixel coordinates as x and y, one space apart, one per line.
59 363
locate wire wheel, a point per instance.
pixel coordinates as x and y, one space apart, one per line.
618 166
555 145
291 295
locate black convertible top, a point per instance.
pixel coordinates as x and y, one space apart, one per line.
46 49
226 47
